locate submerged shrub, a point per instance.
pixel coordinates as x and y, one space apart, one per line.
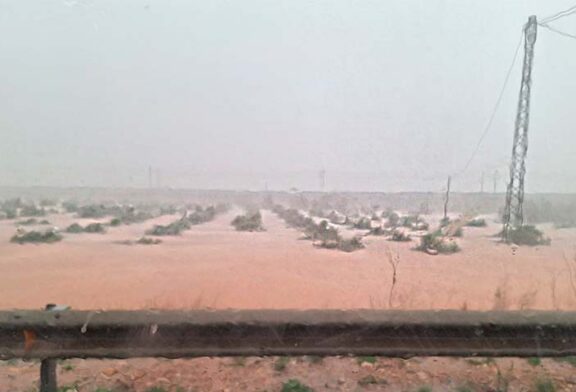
95 228
174 228
350 244
48 237
435 242
363 224
476 222
74 228
527 235
149 241
248 222
400 236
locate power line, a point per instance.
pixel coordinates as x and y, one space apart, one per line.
558 31
495 109
559 15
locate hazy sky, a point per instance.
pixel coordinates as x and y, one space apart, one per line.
384 95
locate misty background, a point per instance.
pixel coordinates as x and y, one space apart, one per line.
382 95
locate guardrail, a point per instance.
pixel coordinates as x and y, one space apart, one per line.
196 333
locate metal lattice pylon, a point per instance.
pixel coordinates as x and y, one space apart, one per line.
513 213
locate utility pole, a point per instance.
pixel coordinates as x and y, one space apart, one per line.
482 183
513 214
322 179
495 181
447 198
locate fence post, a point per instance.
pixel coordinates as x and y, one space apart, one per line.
48 380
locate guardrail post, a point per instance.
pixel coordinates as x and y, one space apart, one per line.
48 380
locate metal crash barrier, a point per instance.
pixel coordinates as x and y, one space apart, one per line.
197 333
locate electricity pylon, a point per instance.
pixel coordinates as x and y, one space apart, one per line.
513 214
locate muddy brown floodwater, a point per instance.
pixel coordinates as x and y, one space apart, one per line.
213 266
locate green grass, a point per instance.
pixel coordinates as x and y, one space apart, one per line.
156 389
544 385
67 367
281 363
368 359
294 385
424 388
534 361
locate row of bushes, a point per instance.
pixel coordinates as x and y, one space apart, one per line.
76 228
14 208
49 236
32 221
322 233
198 216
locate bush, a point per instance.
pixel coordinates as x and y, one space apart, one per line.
174 228
48 237
393 219
476 222
437 243
148 241
445 222
248 222
95 228
200 215
32 210
527 235
400 236
350 245
128 215
93 211
74 228
459 232
115 222
321 232
44 222
409 220
362 224
378 231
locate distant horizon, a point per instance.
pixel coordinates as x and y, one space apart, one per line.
80 187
